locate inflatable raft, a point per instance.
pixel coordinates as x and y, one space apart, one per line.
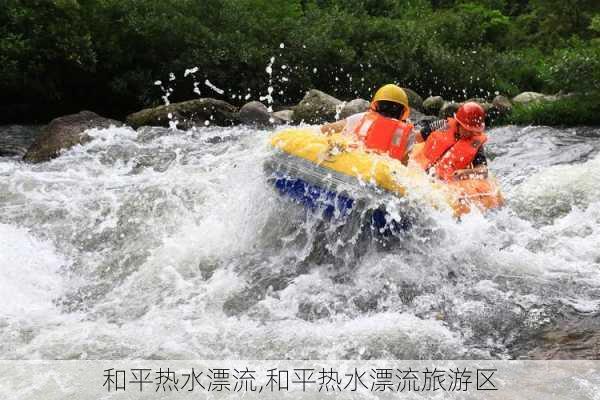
334 173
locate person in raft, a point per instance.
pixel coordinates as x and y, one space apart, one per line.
452 149
384 127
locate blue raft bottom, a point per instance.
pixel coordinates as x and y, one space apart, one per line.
333 204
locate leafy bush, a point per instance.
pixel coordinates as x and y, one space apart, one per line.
574 110
54 53
576 68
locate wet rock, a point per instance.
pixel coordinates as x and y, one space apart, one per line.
255 113
564 95
478 100
241 302
448 109
187 114
574 340
208 267
355 106
316 108
366 302
482 102
285 116
147 134
414 99
310 311
486 106
159 161
63 133
502 104
417 118
433 104
531 97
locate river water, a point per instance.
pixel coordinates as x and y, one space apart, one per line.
171 244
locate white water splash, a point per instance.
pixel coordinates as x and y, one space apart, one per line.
213 87
29 274
191 71
269 96
136 237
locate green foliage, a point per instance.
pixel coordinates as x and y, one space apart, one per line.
595 24
558 20
518 71
471 25
576 68
60 56
58 29
574 110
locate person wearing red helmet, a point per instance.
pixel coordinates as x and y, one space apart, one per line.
453 149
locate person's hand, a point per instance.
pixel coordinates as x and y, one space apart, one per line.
471 173
333 127
426 129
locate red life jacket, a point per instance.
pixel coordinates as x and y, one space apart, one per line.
386 135
446 152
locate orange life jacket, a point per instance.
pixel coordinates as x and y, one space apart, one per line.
447 153
384 134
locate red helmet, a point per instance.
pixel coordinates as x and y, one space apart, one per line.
471 116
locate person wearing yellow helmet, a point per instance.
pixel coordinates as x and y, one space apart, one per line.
384 127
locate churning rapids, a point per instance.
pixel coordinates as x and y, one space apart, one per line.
170 244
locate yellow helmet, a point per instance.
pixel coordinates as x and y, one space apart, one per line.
393 93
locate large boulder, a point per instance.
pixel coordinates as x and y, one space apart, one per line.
355 106
501 105
418 118
564 95
63 133
187 114
433 104
414 99
482 102
317 107
478 100
147 134
285 116
532 97
571 339
448 109
255 113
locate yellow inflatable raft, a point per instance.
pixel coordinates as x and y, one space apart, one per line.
337 155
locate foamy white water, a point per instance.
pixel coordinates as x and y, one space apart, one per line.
171 244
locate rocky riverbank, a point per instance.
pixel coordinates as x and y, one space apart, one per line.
316 107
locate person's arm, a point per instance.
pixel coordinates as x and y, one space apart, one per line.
333 127
480 158
428 127
479 170
423 134
419 137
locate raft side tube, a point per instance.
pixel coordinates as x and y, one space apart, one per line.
349 162
335 195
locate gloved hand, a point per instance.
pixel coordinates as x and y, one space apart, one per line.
426 129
